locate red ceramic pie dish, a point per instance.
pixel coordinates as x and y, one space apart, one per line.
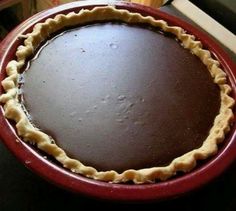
124 192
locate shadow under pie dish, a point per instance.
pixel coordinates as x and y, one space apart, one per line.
117 96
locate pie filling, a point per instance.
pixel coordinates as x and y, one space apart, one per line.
118 96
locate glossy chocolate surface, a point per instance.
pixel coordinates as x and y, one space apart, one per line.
118 97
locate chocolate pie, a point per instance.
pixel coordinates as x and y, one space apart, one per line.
116 96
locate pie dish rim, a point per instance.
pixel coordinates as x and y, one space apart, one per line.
148 8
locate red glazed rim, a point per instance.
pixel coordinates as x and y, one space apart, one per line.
103 190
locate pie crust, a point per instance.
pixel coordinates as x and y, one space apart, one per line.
25 129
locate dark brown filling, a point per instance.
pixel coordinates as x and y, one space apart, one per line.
118 97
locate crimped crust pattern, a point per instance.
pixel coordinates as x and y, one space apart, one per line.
29 133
